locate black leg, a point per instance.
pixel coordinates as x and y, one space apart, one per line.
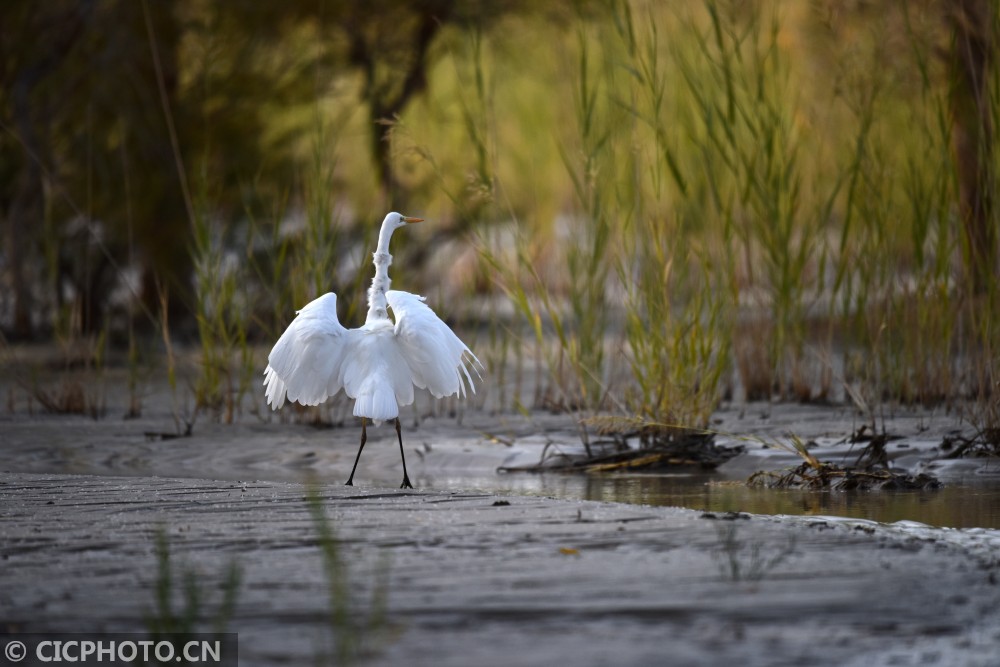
364 436
406 478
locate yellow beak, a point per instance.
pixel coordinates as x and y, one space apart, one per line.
412 220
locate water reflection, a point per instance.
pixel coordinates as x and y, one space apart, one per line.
953 506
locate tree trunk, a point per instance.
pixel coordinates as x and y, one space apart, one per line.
387 100
17 253
971 61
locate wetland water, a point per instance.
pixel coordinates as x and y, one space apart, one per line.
954 506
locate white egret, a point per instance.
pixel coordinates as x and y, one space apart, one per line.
378 364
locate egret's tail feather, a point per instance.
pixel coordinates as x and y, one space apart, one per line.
377 403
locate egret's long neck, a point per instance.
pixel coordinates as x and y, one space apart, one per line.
380 283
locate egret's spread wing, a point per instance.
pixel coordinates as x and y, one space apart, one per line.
438 360
305 363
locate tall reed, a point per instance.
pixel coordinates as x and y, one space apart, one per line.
678 312
221 312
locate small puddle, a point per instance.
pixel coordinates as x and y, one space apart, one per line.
954 506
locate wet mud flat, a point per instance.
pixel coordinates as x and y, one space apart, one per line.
474 578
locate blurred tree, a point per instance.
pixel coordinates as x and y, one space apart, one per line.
78 109
26 62
391 42
93 92
125 122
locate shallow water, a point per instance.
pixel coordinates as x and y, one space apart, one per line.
955 506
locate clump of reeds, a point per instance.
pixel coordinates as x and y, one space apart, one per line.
743 560
353 628
169 622
222 322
